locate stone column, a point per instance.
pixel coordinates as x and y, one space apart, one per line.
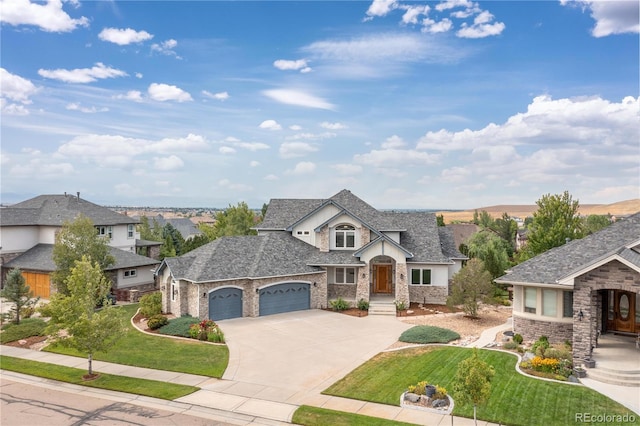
362 289
324 239
584 329
402 283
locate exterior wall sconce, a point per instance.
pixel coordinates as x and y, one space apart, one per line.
315 284
162 288
364 275
402 276
257 290
204 295
580 315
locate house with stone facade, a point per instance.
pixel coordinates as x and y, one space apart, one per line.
309 252
27 236
582 289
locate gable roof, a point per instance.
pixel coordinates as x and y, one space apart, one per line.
551 267
55 210
182 224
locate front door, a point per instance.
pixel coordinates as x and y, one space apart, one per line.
382 279
622 311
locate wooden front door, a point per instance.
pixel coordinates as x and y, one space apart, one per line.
382 281
622 311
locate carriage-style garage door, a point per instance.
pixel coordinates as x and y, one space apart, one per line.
39 283
225 303
284 297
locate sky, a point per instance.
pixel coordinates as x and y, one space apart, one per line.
455 104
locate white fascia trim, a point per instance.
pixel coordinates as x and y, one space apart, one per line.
250 278
569 278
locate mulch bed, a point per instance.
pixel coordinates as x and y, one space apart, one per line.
415 309
27 343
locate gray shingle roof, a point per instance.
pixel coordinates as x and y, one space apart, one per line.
181 224
250 256
55 210
40 258
560 262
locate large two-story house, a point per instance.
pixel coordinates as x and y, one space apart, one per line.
309 252
27 236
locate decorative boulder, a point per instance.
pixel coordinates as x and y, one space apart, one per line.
412 397
437 403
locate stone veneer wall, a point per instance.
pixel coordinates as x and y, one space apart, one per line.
530 329
324 239
251 298
363 284
431 294
402 284
611 276
346 291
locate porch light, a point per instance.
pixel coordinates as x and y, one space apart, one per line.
364 275
580 315
204 295
402 276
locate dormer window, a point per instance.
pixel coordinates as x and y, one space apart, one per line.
345 236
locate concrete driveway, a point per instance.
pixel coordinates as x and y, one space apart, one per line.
290 357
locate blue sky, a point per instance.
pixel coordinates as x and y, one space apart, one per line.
408 104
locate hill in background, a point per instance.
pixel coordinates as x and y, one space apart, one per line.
621 208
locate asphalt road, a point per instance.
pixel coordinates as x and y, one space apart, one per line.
29 405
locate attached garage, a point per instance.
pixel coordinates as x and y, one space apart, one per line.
225 303
285 297
39 283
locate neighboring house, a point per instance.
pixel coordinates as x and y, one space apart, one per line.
581 289
462 232
309 252
27 236
185 226
521 239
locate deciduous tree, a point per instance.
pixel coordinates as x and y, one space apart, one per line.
487 246
472 382
470 285
86 329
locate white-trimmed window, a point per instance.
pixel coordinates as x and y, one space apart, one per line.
302 232
105 231
345 275
567 304
530 299
130 273
549 303
130 231
345 236
421 276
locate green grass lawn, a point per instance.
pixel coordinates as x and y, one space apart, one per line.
151 388
313 416
515 399
161 353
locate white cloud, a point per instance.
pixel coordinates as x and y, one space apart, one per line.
332 126
40 169
389 158
167 164
48 17
166 48
138 75
131 95
165 92
226 183
286 65
271 178
381 7
612 17
226 150
298 98
295 127
254 163
455 174
83 75
252 146
347 169
394 141
123 37
270 125
310 136
482 27
412 13
14 88
74 106
434 27
302 168
451 4
296 149
220 96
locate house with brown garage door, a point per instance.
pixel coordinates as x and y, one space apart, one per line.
580 290
309 252
27 236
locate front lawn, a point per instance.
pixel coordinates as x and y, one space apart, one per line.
160 353
151 388
313 416
515 399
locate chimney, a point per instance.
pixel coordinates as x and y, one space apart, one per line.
78 194
65 193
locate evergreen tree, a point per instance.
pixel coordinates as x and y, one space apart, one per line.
16 291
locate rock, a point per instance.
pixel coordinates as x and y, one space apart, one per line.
22 342
528 356
412 397
438 403
573 379
409 311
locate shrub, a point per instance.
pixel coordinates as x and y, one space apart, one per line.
179 326
339 304
28 327
428 334
547 365
44 310
512 345
216 335
151 304
157 321
363 305
518 338
441 393
400 305
542 342
206 330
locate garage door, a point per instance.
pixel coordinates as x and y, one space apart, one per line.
225 303
285 297
39 284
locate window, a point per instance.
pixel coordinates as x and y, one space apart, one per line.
302 232
130 231
105 231
549 303
345 236
129 273
530 300
345 275
174 292
567 304
421 276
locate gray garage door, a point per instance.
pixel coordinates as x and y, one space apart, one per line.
285 297
225 303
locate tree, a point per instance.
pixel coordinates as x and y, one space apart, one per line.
147 232
506 229
17 291
194 242
235 220
470 285
440 220
595 222
554 223
169 231
168 249
75 240
483 219
487 246
88 330
472 382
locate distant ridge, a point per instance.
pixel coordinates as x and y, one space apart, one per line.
621 208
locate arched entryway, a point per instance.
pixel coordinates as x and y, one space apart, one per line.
382 276
621 311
